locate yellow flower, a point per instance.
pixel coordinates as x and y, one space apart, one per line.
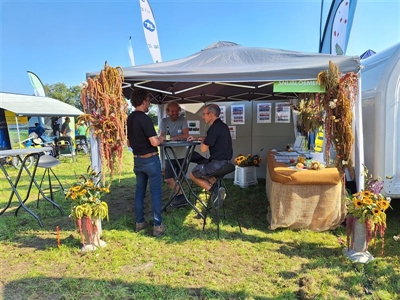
376 211
383 204
367 201
366 193
357 202
76 188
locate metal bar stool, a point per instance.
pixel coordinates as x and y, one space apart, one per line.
47 162
218 192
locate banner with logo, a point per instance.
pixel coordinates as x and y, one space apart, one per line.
150 30
298 86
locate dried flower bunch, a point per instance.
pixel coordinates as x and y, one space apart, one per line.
106 112
333 109
338 101
368 207
249 160
310 112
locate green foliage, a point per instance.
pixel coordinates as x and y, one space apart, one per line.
153 113
70 95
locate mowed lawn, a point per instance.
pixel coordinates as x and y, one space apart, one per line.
186 263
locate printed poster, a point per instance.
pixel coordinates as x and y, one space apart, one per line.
282 112
264 112
17 128
232 129
194 127
237 114
222 115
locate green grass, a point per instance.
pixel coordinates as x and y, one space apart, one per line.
186 263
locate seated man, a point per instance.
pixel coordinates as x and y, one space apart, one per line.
219 142
178 129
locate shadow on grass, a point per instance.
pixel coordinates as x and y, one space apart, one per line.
83 288
250 205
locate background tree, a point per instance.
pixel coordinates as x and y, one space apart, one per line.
153 113
70 95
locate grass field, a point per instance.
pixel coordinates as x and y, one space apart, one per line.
186 263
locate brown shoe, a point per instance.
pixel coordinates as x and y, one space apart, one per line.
159 230
140 226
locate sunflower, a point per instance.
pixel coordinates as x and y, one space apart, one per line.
376 211
383 204
367 201
366 193
357 202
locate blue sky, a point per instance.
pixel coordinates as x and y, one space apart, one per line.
62 40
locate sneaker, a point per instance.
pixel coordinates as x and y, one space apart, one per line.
179 201
219 200
159 230
140 226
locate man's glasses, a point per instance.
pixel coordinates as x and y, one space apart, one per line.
206 113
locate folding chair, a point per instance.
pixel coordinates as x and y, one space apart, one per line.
82 143
65 148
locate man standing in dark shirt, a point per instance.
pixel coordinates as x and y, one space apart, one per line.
218 141
143 140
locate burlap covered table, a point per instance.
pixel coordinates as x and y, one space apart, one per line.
303 199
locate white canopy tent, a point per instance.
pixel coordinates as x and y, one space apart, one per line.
26 105
226 71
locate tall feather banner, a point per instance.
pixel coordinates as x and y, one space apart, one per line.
130 52
338 26
150 30
36 84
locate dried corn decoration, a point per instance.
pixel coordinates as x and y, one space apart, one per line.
339 99
310 112
106 112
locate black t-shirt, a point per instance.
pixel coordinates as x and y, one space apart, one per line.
219 141
140 129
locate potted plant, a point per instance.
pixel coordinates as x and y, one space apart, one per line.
366 217
245 172
87 209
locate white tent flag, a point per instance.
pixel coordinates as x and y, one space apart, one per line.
36 84
150 30
130 52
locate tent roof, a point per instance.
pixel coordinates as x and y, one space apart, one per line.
226 71
26 105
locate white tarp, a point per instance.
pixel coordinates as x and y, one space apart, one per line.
26 105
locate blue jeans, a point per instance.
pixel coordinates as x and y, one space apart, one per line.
148 169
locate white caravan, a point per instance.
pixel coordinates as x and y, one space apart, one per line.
381 117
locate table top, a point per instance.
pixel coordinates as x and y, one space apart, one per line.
23 151
179 143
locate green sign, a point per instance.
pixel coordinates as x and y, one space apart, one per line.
298 86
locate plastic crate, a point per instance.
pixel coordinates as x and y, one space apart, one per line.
245 176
